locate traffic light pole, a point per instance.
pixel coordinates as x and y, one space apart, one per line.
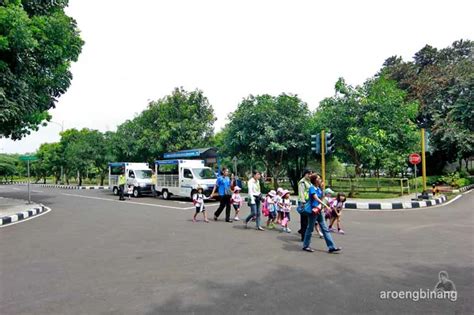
423 158
323 158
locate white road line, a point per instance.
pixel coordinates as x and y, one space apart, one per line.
14 188
37 191
128 202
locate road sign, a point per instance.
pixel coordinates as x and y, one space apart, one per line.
414 158
28 158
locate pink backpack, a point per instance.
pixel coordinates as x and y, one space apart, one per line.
265 210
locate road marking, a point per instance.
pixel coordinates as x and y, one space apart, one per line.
129 202
37 191
14 188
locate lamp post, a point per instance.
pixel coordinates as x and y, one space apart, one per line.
62 130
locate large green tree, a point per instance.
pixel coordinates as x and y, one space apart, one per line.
38 42
373 124
49 161
442 81
270 129
181 120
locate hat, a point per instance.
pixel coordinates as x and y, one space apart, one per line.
328 191
279 190
237 188
272 193
284 192
199 187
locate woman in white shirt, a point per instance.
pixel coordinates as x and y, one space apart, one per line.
254 199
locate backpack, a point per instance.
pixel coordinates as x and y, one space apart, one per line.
265 210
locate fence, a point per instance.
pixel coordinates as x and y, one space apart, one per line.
374 185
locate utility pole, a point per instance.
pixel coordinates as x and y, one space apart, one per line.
323 158
423 158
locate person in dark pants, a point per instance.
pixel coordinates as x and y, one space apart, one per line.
223 189
303 189
121 181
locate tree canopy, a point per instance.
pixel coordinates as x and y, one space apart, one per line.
38 42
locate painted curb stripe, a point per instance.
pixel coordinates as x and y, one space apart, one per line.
21 215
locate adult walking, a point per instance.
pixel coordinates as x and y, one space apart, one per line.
223 189
255 196
121 182
316 214
303 190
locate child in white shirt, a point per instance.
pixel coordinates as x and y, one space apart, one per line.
236 201
198 201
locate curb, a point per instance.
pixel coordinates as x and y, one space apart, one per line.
388 205
23 215
12 183
463 189
73 187
395 205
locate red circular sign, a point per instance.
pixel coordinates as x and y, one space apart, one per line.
414 158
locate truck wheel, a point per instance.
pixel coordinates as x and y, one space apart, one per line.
115 191
165 194
136 193
192 193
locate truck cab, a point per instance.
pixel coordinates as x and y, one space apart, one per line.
183 177
137 175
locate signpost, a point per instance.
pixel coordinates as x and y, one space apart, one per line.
28 158
415 159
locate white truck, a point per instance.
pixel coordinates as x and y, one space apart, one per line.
182 178
139 175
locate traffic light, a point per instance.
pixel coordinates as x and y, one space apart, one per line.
330 147
316 144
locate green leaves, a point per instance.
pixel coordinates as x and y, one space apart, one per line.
372 124
269 129
181 120
37 44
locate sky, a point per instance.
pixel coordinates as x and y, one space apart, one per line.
138 51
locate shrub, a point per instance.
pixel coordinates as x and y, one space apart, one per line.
462 182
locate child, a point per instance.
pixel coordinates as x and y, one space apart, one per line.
198 201
337 211
286 207
330 201
272 213
129 191
236 201
278 203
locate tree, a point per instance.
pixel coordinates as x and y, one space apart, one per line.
269 129
83 150
372 124
441 81
38 42
49 161
182 120
7 166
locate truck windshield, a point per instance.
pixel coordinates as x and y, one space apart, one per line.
143 174
204 173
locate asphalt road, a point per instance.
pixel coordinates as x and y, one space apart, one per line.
95 255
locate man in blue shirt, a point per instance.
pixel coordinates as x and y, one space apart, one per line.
224 191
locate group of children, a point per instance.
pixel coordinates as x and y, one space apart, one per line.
277 207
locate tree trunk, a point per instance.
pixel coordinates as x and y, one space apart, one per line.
102 177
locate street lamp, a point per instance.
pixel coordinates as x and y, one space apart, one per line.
62 130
